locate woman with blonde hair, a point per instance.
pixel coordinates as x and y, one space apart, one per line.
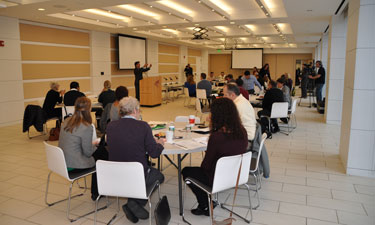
76 141
107 95
53 97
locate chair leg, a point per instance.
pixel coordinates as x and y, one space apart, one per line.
251 207
209 209
53 203
96 208
256 191
183 201
149 217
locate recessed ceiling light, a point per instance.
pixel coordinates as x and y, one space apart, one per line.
97 20
151 6
199 1
73 15
41 9
213 10
170 13
135 28
261 6
232 22
267 14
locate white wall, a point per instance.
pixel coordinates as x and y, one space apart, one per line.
11 84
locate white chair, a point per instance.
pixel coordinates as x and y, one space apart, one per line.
201 95
185 119
198 108
67 111
254 169
225 179
57 164
187 96
279 110
292 113
122 179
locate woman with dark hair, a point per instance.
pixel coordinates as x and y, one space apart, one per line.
76 140
120 93
265 71
228 137
190 84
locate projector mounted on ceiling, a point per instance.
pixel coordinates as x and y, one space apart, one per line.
200 34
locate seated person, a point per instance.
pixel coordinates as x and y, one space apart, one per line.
53 97
74 93
228 137
243 92
229 78
130 140
107 95
244 108
76 140
281 84
120 93
190 84
211 77
272 95
249 81
205 84
221 76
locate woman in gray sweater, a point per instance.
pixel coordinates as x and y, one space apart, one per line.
76 141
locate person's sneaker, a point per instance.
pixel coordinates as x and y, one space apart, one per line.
129 214
138 210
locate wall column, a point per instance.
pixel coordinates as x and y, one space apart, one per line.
357 142
324 59
335 69
11 84
100 60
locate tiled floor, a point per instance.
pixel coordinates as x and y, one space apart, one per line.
307 185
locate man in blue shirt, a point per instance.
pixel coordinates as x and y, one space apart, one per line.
205 84
249 81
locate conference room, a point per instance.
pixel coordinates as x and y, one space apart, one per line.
187 112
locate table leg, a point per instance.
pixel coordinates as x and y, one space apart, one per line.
179 183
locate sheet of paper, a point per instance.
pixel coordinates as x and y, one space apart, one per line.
207 129
202 140
188 144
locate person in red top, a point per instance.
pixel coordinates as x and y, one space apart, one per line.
243 92
228 137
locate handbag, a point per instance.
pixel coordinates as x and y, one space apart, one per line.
54 134
162 211
227 221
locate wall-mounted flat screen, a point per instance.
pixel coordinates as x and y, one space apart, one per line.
130 50
247 58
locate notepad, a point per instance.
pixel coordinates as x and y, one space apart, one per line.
202 140
188 144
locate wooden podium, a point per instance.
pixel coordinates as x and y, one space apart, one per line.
150 91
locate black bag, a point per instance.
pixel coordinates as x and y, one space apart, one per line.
162 211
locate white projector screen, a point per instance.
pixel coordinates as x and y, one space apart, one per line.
130 50
247 58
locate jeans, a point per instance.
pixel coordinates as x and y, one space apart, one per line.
318 92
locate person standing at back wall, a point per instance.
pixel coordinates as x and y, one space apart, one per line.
138 73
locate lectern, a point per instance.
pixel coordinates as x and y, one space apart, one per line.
150 91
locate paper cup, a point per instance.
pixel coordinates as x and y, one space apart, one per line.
191 119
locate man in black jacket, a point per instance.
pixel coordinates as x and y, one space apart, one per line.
138 73
74 93
272 95
319 78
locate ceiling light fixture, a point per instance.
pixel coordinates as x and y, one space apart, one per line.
178 7
41 9
107 14
139 10
221 5
232 22
264 10
225 29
